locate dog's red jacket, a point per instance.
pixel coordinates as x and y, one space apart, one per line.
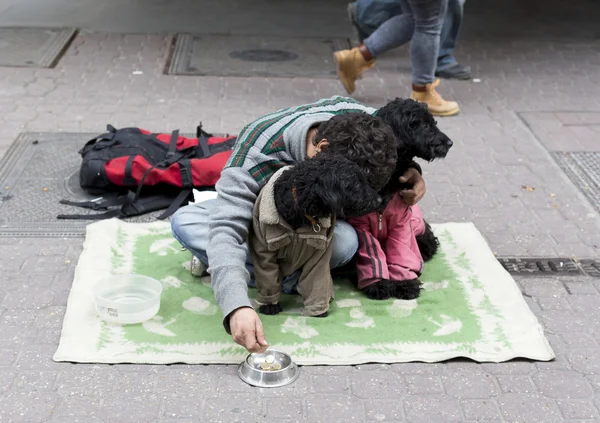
387 244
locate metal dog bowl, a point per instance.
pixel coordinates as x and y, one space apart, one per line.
270 369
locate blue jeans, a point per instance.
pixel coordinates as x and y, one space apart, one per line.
371 14
421 24
190 227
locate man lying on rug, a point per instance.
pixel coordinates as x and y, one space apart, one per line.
216 232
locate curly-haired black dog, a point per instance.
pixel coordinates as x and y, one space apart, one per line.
325 186
417 135
364 140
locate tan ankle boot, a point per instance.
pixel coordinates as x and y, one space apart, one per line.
436 104
350 64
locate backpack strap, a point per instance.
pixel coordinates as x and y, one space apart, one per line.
96 204
131 206
177 202
100 216
203 144
172 145
201 132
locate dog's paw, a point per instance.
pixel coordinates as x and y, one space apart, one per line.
381 290
322 314
270 309
428 243
407 290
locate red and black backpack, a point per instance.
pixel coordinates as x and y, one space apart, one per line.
136 171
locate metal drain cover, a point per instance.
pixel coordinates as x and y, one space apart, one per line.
583 168
33 47
229 55
263 55
540 266
591 267
38 171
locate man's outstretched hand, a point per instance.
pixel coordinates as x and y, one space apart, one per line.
247 330
412 177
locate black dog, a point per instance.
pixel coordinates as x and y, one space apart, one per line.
327 185
417 135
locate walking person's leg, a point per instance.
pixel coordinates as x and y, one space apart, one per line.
393 33
421 21
368 15
424 49
447 66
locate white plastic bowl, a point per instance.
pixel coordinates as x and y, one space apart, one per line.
127 299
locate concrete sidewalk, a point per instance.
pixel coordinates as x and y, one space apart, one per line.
539 93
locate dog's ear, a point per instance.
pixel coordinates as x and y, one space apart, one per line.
342 189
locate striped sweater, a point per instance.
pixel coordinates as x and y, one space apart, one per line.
262 147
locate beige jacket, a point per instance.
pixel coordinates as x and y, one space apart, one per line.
278 250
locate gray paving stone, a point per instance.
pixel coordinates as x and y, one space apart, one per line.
320 408
36 381
299 389
557 344
577 409
432 408
289 409
515 384
17 317
418 368
530 408
562 385
63 280
424 384
50 317
129 383
480 409
77 406
553 303
330 384
16 406
182 408
565 321
7 377
542 287
80 419
49 336
89 380
470 385
328 370
383 410
234 408
580 288
514 367
231 383
380 385
185 383
37 357
29 297
51 264
119 407
585 361
579 340
7 357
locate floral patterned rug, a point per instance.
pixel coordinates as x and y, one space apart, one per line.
471 307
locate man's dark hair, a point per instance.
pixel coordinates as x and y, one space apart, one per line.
363 139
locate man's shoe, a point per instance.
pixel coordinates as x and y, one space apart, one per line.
354 21
197 268
456 71
350 64
435 103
